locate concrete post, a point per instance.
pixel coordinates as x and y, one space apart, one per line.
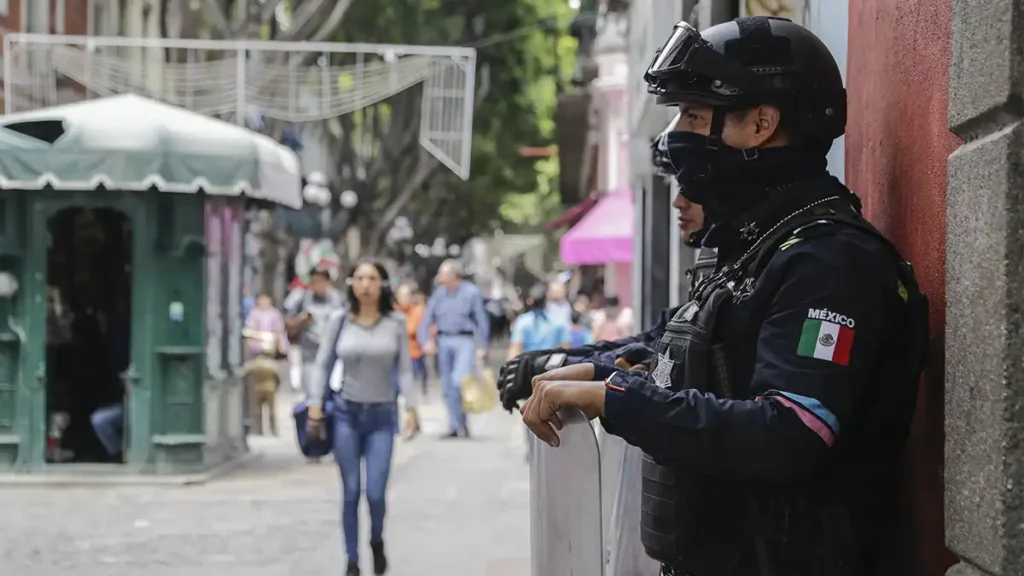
985 291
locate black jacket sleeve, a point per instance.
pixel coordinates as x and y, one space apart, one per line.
607 351
817 347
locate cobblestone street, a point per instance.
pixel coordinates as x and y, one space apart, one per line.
454 508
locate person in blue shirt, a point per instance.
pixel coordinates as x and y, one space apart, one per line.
581 334
535 329
455 327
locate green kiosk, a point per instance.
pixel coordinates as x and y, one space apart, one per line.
121 262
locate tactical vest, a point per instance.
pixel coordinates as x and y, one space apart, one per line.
704 266
689 522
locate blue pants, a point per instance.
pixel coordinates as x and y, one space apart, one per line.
456 357
419 372
108 423
363 432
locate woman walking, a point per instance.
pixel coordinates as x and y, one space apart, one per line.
363 350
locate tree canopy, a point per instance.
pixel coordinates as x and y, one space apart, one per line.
523 52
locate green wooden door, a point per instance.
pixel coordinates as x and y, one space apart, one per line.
137 395
14 385
176 332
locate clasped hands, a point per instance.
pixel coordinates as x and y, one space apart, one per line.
567 387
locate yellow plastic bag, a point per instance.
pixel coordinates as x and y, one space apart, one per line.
479 391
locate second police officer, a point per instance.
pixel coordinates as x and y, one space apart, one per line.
517 374
782 393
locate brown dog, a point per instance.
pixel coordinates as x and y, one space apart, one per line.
264 378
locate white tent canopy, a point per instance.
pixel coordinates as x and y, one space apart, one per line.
128 142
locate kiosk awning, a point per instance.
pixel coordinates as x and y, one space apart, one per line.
128 142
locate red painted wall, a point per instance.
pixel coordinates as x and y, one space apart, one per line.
896 149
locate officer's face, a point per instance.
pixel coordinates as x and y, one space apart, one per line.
754 128
691 216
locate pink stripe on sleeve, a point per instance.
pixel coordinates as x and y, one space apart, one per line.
808 419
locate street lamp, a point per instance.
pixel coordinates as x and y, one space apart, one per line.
349 199
316 191
439 248
401 230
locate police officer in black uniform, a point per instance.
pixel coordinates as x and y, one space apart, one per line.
514 381
707 256
779 402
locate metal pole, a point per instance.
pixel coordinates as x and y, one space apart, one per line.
467 114
240 86
359 77
88 71
325 81
8 76
247 45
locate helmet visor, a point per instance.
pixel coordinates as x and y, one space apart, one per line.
672 55
687 57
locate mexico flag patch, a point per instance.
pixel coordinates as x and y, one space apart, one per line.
826 336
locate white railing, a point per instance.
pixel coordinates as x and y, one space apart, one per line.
288 81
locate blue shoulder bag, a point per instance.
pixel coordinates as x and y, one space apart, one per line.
320 447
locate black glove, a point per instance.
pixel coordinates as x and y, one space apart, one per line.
515 380
636 354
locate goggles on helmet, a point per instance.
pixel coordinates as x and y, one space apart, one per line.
689 65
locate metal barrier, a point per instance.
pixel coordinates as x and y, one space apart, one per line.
565 502
627 556
585 504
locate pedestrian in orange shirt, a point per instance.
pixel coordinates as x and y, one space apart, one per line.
413 311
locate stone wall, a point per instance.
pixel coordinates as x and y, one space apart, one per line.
897 143
985 287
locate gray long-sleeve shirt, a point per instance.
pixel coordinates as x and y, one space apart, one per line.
371 358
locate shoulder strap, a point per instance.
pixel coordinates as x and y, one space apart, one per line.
329 369
824 213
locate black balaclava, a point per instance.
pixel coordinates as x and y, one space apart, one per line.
729 181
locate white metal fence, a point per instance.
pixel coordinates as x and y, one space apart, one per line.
288 81
585 504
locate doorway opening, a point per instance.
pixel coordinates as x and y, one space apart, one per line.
88 335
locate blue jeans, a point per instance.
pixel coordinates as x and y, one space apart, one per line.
363 432
456 356
419 372
108 423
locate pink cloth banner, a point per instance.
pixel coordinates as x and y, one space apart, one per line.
604 235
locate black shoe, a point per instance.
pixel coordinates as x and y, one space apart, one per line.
450 435
380 561
353 569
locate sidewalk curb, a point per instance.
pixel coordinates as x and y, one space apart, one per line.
114 478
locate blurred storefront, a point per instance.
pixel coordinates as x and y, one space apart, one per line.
600 211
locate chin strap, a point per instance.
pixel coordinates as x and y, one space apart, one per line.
717 125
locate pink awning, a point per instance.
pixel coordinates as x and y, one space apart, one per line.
604 235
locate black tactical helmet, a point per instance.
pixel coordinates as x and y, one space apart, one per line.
752 61
659 150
